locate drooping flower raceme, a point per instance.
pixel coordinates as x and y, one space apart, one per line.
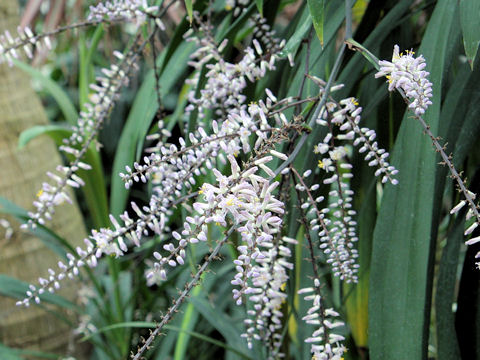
84 133
326 343
26 40
225 81
407 72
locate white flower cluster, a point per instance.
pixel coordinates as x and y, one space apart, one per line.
247 199
104 93
262 263
169 162
238 6
84 133
170 169
407 73
25 41
326 344
105 241
471 213
225 81
8 229
334 223
346 116
136 10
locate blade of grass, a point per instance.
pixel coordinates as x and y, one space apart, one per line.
317 12
8 353
189 7
189 320
60 96
470 22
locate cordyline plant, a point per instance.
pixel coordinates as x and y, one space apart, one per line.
249 177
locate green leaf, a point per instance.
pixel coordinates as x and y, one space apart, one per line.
400 281
470 22
56 132
60 96
317 12
447 279
259 4
189 7
86 69
220 321
295 40
8 353
372 59
189 321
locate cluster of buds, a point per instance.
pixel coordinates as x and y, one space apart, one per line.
91 120
105 241
268 274
262 265
5 224
238 6
26 41
472 213
130 10
346 116
226 81
326 344
407 73
334 224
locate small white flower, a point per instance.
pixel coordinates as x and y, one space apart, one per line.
407 72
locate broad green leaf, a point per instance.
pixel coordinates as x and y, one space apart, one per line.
356 295
317 12
445 297
400 282
470 22
56 132
60 96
